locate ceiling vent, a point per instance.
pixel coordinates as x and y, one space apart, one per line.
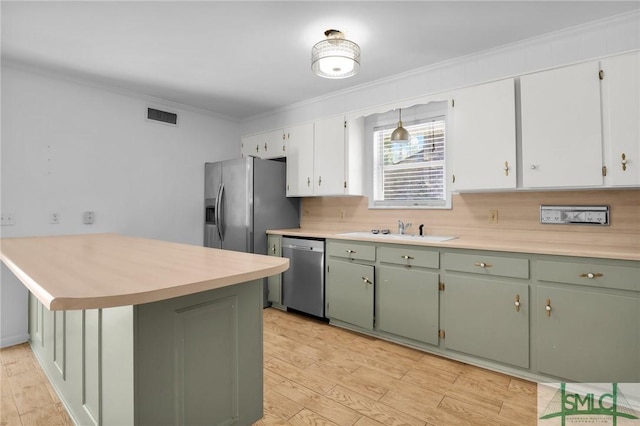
162 116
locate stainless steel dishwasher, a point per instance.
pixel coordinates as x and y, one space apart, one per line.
303 282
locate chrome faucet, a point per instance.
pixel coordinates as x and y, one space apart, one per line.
402 227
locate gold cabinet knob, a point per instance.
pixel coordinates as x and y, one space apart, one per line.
257 148
320 181
273 249
516 303
367 280
548 307
506 168
483 264
623 161
350 251
308 181
405 257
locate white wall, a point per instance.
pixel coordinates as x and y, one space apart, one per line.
69 147
595 40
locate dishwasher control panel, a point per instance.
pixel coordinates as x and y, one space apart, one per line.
572 215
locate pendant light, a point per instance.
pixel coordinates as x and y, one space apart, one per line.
335 57
400 134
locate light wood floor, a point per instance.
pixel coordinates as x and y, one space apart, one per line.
317 374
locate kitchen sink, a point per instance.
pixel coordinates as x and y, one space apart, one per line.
399 237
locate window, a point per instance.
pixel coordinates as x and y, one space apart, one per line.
410 174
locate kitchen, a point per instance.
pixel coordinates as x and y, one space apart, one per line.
71 144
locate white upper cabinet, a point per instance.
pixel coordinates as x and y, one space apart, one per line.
250 146
338 156
264 145
561 127
621 119
325 158
300 160
484 137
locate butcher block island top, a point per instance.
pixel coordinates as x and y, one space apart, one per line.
92 271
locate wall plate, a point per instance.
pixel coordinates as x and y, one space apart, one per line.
574 215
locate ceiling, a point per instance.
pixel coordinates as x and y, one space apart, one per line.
242 58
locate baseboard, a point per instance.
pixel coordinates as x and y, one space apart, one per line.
13 340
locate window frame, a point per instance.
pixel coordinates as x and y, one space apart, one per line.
418 113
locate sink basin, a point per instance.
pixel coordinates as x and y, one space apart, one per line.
399 237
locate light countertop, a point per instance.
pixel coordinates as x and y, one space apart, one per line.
106 270
478 243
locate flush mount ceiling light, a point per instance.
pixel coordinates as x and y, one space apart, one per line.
400 134
335 57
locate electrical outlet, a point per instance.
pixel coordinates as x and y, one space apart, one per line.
88 218
54 218
493 216
8 219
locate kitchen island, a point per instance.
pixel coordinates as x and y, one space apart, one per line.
138 331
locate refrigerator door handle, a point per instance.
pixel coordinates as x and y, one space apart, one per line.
221 224
217 213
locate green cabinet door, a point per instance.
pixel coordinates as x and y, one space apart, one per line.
588 336
274 282
407 303
487 318
349 292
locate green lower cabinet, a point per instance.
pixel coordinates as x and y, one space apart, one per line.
588 336
349 292
407 303
487 318
274 282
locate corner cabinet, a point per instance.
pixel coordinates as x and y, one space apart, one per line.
561 127
484 137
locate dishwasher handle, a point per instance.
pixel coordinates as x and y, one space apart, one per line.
295 247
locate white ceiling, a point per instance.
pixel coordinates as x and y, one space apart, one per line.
241 58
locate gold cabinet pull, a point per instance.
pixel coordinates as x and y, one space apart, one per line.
591 275
483 264
506 168
350 251
273 249
517 303
265 146
623 161
308 181
257 148
284 148
367 280
405 257
320 181
548 307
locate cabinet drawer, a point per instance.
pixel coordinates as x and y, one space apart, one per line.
487 265
590 274
351 250
409 256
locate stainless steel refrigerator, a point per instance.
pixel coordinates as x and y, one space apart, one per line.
244 198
